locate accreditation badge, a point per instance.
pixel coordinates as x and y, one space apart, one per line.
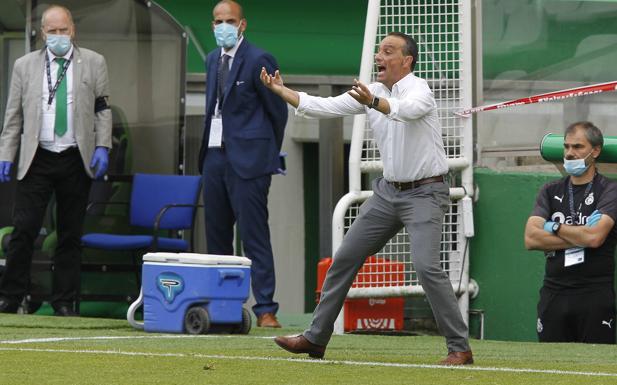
574 256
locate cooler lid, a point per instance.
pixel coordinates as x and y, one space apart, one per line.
196 259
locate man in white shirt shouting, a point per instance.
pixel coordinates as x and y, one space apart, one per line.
402 113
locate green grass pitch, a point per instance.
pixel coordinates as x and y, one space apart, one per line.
52 350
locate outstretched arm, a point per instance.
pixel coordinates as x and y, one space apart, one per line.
312 106
276 85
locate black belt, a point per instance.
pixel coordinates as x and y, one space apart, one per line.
416 183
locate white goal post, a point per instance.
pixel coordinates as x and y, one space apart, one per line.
442 29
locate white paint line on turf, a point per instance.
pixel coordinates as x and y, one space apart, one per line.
310 361
158 336
151 336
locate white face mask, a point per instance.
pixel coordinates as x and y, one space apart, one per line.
576 167
58 44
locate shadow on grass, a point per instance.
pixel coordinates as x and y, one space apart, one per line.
50 322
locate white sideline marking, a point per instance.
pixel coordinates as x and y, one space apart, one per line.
311 361
163 336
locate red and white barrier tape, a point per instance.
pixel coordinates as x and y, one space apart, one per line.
547 97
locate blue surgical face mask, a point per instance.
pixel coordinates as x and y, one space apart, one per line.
226 35
58 44
576 167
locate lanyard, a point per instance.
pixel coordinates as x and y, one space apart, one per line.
52 90
571 197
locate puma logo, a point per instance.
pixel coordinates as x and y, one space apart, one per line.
558 198
608 323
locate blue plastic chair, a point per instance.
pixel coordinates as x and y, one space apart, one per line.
158 202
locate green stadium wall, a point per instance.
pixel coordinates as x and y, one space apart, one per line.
308 37
325 37
508 275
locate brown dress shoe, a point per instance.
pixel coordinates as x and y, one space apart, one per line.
268 320
299 344
458 358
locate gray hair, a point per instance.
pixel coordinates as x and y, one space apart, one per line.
592 133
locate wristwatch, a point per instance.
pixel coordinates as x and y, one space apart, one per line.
374 103
556 227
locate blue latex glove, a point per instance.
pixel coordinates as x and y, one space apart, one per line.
100 161
5 171
593 219
548 226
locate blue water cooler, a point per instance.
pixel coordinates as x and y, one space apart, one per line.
184 292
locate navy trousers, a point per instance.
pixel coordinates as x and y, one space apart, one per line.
229 199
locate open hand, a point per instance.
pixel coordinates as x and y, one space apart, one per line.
361 93
273 82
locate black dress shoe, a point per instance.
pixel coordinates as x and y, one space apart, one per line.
7 306
65 311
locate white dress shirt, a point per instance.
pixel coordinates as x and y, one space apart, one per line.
409 138
47 137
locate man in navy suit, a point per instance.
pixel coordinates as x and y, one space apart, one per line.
243 133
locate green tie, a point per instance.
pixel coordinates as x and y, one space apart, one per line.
60 124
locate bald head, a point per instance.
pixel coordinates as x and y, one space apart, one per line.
57 20
55 10
228 6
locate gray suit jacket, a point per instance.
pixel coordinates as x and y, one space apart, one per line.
23 119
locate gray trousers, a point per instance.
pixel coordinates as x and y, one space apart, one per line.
421 211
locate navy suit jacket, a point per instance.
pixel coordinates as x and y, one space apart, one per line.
254 118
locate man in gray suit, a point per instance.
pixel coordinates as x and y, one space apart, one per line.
57 115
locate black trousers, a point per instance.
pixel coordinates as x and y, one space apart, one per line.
62 174
587 316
